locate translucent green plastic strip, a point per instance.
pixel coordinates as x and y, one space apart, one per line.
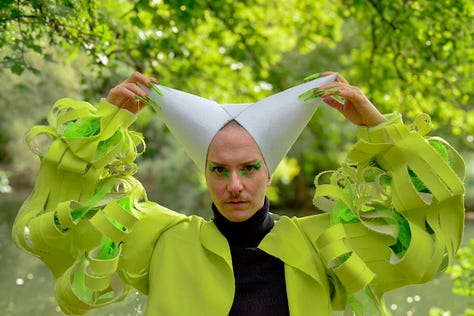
36 131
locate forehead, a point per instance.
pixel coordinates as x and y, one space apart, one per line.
233 144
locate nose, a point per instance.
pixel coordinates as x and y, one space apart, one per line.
235 183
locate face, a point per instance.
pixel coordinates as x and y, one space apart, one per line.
236 174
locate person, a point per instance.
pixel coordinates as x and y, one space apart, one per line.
394 209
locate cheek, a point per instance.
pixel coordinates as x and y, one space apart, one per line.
260 186
215 187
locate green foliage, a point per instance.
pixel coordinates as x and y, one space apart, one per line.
418 56
286 171
409 56
172 179
436 311
30 27
24 102
462 271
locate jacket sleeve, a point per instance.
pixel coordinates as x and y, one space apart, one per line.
85 203
396 209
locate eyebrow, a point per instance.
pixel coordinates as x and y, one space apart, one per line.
255 162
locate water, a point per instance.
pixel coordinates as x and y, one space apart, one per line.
26 285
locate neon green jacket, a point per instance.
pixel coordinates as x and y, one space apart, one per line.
394 216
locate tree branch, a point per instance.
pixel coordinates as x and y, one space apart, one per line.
248 49
382 17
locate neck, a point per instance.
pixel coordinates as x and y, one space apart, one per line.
248 233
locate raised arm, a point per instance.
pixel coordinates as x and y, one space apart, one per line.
396 204
86 202
351 102
128 94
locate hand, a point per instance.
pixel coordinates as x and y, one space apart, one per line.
355 106
124 95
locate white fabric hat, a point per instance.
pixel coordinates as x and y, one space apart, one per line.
274 122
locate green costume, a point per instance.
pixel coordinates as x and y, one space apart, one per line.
394 216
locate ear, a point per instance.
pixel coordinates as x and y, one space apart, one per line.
269 181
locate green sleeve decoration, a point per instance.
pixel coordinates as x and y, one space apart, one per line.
84 203
396 209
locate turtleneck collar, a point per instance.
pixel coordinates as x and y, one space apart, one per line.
248 233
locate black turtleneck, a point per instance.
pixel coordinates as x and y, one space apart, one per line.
259 277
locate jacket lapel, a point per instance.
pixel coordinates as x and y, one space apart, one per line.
307 284
286 242
215 242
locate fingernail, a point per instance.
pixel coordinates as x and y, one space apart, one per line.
312 77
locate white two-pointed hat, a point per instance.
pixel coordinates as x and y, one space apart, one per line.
274 122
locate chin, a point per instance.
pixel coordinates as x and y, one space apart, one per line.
238 216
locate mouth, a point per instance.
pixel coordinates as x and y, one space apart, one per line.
236 203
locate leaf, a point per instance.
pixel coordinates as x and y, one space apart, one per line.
17 68
5 3
34 3
15 14
37 48
48 57
135 20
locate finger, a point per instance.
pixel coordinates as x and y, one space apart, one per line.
331 85
341 85
329 100
344 90
354 94
135 89
135 77
122 94
340 78
130 91
326 73
131 100
139 78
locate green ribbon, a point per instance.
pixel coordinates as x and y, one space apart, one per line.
84 201
385 204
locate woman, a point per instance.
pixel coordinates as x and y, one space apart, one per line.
394 210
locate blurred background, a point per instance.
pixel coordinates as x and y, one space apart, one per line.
408 56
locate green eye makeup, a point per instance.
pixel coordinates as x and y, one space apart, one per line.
211 167
255 166
221 170
218 169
